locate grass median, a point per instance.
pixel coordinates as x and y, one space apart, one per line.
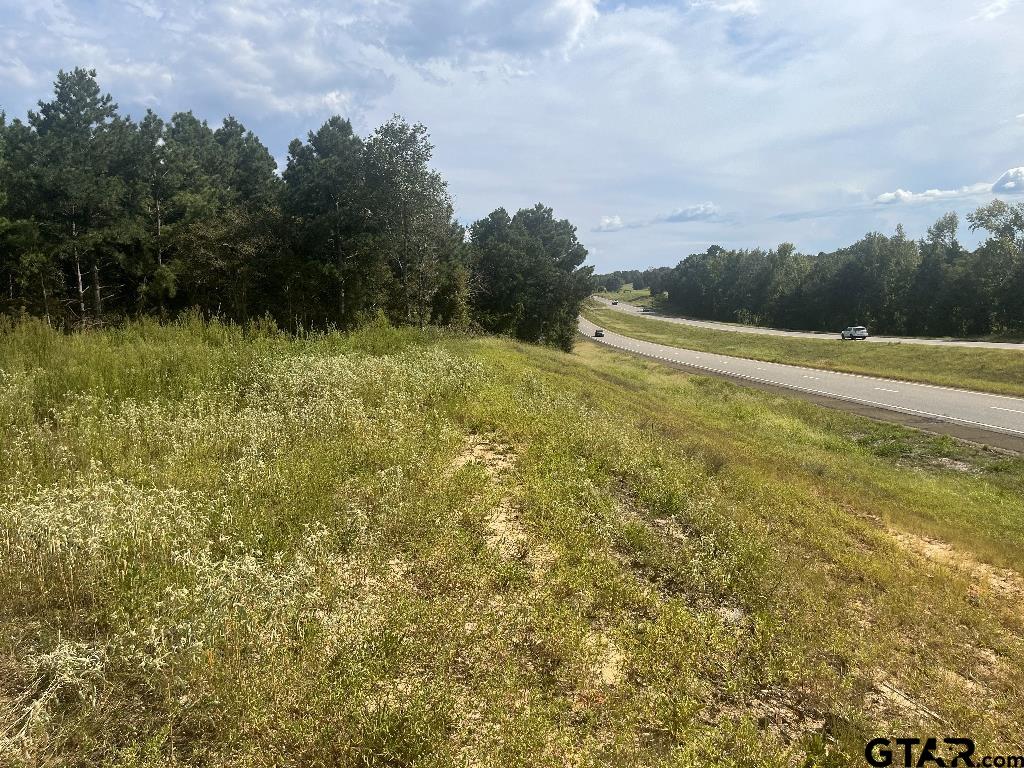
985 370
640 297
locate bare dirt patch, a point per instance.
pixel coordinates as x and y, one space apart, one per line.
610 660
955 465
991 664
887 703
505 533
1002 581
670 528
495 458
731 615
775 711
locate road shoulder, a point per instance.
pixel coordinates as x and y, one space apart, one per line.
966 432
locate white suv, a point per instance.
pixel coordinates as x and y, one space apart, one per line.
854 332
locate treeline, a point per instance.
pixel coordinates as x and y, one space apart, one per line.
893 285
103 218
654 279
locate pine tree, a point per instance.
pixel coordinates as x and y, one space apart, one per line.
78 198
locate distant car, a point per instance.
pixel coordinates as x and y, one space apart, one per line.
614 303
646 309
854 332
599 333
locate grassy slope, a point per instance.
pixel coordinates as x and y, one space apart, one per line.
986 370
252 550
640 298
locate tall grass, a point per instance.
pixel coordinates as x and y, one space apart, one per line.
224 546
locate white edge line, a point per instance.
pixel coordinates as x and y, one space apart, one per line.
714 325
854 375
913 411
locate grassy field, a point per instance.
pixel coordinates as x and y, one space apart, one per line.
397 548
639 298
986 370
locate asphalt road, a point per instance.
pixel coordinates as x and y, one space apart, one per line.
981 417
630 309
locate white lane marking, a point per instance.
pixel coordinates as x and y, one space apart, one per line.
811 377
1015 398
848 398
883 389
826 335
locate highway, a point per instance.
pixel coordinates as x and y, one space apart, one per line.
630 309
980 413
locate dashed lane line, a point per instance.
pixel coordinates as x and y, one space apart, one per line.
848 398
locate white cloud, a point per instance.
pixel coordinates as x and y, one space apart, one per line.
425 30
729 6
146 8
700 212
336 101
580 13
929 195
993 10
14 71
592 107
1011 182
610 224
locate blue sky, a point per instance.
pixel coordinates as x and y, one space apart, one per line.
658 128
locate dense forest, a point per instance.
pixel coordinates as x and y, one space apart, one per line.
893 285
103 217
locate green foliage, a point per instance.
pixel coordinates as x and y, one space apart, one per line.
529 280
652 279
892 285
103 218
998 270
410 219
323 191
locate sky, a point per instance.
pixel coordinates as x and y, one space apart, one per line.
657 128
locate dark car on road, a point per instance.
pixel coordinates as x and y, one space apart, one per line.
614 303
854 332
599 333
